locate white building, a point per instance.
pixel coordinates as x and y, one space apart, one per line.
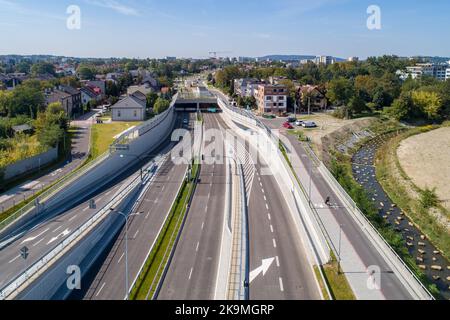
324 60
437 71
128 109
447 74
353 59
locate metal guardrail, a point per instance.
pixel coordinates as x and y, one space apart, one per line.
51 254
365 222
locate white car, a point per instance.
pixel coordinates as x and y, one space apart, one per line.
309 124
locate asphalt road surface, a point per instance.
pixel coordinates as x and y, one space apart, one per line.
272 236
193 271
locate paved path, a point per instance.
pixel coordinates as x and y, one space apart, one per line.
80 150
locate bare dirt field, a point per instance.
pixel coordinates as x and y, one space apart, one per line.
425 158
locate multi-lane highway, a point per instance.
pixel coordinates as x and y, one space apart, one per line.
45 232
274 239
143 230
193 270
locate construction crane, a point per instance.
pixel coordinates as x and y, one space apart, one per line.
213 54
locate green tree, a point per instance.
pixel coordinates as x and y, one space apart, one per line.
27 99
428 102
43 68
86 72
161 105
340 91
401 108
151 99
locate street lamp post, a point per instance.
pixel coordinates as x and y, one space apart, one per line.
339 250
126 217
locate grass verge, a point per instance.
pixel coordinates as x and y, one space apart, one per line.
152 272
337 281
102 136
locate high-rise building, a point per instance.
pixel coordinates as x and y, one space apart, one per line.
324 60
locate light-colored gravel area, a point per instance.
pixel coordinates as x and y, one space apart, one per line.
425 158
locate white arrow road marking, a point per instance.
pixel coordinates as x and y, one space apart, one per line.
34 238
62 234
266 263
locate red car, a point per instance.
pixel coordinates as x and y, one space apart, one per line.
287 125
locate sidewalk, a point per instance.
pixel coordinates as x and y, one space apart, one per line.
80 151
356 252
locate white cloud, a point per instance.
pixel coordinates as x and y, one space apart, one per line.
116 6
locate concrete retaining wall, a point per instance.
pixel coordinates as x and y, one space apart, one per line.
30 164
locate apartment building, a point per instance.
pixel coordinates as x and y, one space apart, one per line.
324 60
427 69
271 98
447 74
246 87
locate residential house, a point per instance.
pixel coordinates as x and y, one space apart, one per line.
312 98
271 98
77 106
89 94
145 89
100 84
129 108
138 94
52 96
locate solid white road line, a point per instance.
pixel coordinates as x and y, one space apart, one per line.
281 284
190 273
11 261
35 237
34 245
104 283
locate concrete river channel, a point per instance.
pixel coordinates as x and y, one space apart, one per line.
428 258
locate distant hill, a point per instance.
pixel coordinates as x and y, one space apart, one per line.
276 57
286 57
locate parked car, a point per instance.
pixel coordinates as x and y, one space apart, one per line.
299 123
269 116
309 124
287 125
292 119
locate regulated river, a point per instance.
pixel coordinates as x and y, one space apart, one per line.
434 265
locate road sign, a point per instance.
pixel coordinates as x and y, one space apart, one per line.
121 147
24 252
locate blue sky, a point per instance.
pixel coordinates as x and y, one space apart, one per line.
192 28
